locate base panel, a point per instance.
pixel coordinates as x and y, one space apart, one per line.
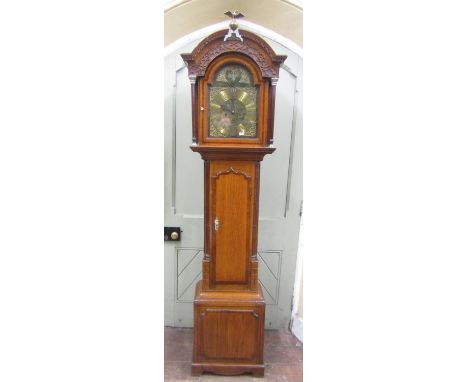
228 333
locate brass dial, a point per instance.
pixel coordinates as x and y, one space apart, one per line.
233 100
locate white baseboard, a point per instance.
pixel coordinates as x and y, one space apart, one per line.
296 327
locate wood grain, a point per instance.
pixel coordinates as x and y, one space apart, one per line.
231 246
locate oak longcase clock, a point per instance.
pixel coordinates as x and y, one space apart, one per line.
233 78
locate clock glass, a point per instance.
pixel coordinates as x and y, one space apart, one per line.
233 100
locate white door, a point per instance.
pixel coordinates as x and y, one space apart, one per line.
280 195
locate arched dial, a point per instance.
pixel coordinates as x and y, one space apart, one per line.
233 100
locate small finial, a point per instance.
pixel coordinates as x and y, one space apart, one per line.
233 32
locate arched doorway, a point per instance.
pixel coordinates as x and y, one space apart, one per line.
280 196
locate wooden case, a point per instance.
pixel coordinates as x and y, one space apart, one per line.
229 309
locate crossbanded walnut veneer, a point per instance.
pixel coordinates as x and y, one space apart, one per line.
233 84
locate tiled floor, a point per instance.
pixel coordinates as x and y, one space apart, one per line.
282 356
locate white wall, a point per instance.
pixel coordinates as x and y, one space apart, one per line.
297 311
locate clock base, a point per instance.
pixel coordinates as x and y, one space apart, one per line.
227 369
228 332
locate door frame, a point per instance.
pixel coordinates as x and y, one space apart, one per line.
294 167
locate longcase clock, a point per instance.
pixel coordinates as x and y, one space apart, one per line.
233 79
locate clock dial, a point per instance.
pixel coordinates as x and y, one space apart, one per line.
233 103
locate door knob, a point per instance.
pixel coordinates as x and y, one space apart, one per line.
172 233
216 224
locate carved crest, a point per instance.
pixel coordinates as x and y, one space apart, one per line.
252 46
229 171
